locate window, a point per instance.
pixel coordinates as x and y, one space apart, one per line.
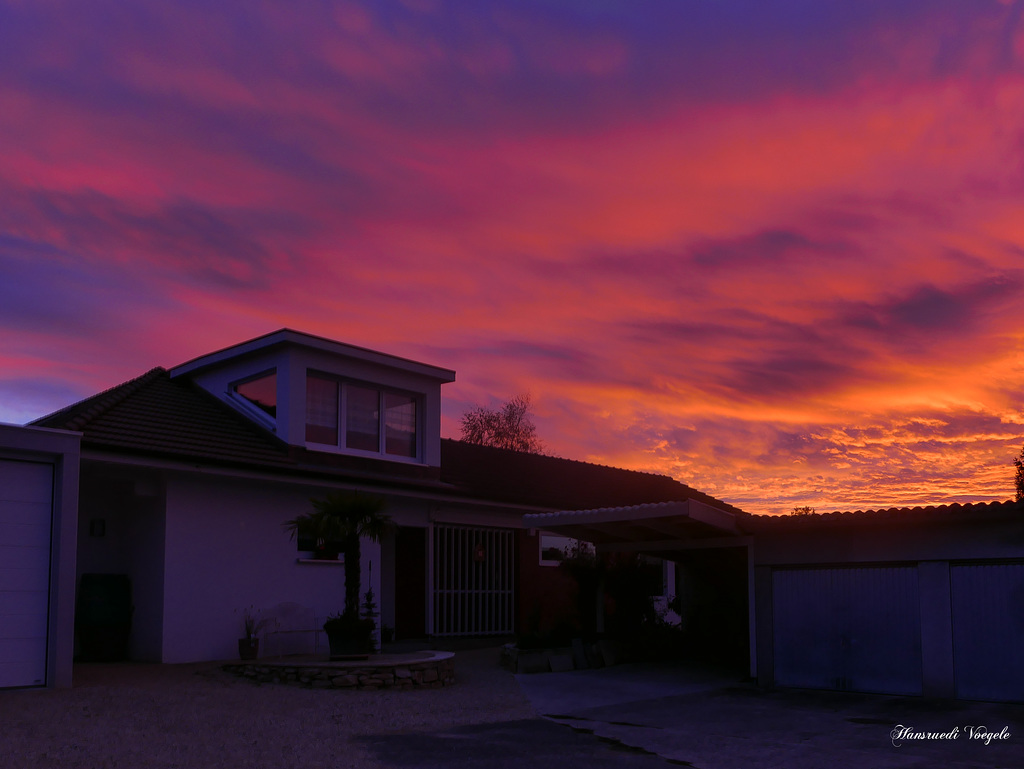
260 392
361 418
553 548
321 410
399 425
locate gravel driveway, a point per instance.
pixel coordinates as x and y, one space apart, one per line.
141 715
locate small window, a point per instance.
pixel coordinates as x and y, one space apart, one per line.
554 548
261 392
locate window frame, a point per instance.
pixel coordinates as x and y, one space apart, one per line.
249 407
382 391
541 560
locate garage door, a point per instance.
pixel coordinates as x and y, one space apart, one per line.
848 628
988 630
26 513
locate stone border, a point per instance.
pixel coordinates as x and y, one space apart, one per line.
376 673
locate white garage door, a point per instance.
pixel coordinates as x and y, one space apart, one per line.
26 514
848 628
988 630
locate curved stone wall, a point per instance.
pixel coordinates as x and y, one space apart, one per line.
437 670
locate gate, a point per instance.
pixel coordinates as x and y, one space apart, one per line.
474 580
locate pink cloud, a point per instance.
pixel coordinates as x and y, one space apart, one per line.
784 268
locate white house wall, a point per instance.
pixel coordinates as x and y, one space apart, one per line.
226 550
121 531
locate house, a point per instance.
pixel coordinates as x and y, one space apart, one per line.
187 475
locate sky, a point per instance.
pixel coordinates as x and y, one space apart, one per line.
772 249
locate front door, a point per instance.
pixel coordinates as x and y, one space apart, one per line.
410 583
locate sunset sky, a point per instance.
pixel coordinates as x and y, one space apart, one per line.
773 249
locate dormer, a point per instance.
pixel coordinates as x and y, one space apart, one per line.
329 396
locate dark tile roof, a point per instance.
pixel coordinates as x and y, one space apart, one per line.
894 515
163 418
561 484
155 415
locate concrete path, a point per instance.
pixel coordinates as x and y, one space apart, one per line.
713 721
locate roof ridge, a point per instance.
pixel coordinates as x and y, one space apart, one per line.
569 459
898 512
105 400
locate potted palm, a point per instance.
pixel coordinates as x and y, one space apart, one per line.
347 518
253 625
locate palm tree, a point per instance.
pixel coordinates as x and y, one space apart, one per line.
345 517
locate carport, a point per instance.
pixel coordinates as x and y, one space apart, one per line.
923 601
709 546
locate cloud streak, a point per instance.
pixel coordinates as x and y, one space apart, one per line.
772 249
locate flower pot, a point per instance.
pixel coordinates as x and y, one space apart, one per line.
248 648
345 648
350 638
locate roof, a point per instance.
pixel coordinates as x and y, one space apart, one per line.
561 484
158 417
661 523
894 515
287 336
678 525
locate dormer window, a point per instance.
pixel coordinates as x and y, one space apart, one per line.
260 392
361 418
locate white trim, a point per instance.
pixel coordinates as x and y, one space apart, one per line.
688 508
674 544
298 339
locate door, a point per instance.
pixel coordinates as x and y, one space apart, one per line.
473 581
848 628
988 630
26 516
410 583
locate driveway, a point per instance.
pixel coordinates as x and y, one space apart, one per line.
713 721
644 717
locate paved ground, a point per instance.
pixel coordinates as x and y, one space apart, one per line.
645 717
712 721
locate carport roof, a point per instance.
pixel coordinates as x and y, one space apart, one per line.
661 525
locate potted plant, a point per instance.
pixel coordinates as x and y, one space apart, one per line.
349 636
253 624
346 518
